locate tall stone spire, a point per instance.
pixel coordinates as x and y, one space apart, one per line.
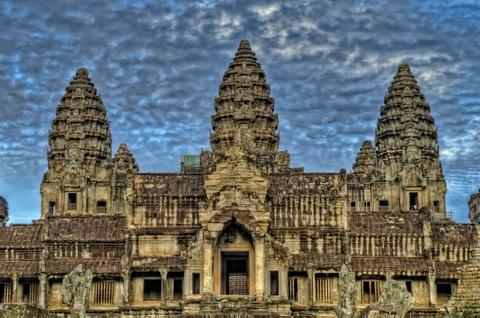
407 146
405 129
79 155
244 117
80 130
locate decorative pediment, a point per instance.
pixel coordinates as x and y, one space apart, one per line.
414 175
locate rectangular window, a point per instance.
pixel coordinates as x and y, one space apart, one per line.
352 206
383 205
370 291
5 292
436 206
444 292
196 283
274 283
325 286
297 286
103 292
235 273
408 286
152 289
52 207
293 288
413 196
29 292
175 285
177 288
101 206
72 201
367 206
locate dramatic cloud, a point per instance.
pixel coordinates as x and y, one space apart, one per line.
157 65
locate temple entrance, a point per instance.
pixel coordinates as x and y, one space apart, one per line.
235 273
234 262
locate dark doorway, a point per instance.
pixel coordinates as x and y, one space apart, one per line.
413 201
235 273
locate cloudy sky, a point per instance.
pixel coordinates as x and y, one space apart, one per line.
158 64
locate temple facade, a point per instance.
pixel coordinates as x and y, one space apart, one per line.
238 232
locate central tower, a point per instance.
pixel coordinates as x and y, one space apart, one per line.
244 119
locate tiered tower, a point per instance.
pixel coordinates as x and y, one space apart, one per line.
78 179
407 147
245 120
365 160
124 171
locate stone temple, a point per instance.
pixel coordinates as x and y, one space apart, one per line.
238 232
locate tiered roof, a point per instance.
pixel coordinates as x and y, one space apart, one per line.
405 120
80 130
244 115
365 160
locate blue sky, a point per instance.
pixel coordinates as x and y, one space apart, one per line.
158 64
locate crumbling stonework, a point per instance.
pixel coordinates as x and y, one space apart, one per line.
75 290
346 287
238 232
394 302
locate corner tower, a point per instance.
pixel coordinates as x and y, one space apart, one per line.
78 179
244 119
407 147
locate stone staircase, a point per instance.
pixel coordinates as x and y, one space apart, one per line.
466 301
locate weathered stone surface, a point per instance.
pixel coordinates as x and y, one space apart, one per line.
76 289
21 311
394 302
347 292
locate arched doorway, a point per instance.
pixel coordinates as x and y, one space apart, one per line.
234 264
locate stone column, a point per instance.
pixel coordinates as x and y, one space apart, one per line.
260 268
15 289
187 281
283 283
207 267
311 285
42 293
163 275
432 289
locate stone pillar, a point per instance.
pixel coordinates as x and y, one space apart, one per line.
42 293
283 283
311 285
432 290
260 268
187 281
15 289
207 267
163 275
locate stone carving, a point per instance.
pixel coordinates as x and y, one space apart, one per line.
75 290
394 301
346 289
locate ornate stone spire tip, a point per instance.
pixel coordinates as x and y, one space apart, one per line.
367 143
82 72
244 44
